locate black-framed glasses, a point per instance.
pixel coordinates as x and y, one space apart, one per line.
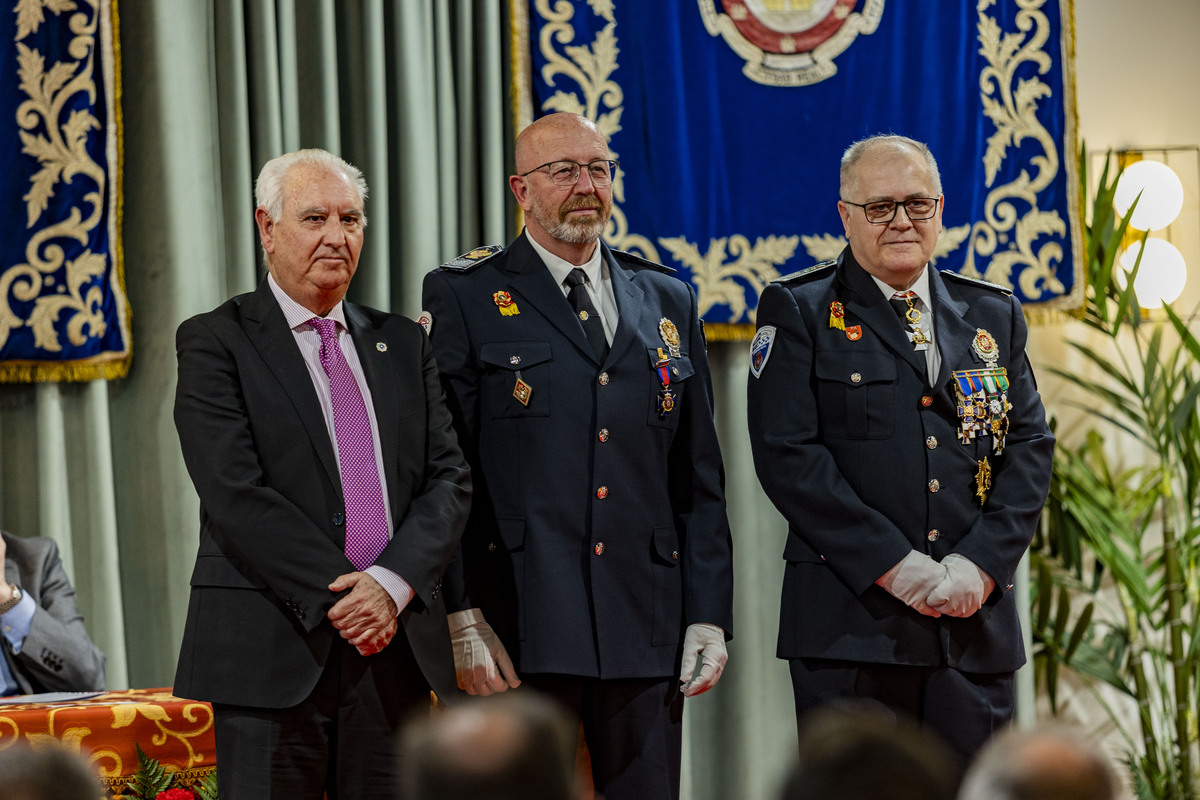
882 212
566 173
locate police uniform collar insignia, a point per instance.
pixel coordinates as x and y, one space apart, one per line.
670 336
837 315
507 306
760 349
473 258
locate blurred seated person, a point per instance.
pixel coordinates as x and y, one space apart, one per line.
44 643
46 773
1053 763
505 747
853 751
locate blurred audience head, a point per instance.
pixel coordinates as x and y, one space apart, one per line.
1053 763
511 746
46 773
849 752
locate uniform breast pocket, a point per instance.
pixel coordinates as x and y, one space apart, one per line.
856 394
666 403
516 379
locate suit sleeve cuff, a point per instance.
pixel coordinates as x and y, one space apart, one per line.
17 622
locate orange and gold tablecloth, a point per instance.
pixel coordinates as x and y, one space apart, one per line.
107 729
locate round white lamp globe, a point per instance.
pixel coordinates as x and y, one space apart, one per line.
1162 275
1162 195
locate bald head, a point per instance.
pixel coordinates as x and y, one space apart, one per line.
539 140
1051 764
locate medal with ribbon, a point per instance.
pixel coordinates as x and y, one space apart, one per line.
666 400
982 400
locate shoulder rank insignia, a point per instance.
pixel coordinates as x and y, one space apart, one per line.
507 306
470 260
645 262
976 282
809 272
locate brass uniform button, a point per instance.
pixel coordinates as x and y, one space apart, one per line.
602 492
603 436
931 443
934 535
934 485
603 379
855 378
599 548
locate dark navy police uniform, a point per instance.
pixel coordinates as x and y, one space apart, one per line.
598 531
867 462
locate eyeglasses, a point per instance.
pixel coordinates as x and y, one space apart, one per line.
884 211
566 173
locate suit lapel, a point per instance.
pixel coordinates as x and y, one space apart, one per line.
630 303
381 380
531 280
268 331
863 298
954 334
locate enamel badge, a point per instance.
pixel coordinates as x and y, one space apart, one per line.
837 316
982 402
506 304
760 349
985 347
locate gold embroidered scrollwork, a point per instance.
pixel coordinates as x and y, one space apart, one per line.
55 285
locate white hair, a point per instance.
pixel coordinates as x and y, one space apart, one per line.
268 189
856 151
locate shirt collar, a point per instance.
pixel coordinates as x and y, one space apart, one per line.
561 268
296 314
920 288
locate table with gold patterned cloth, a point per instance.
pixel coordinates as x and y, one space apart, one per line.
108 728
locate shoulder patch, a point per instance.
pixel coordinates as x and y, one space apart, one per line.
472 259
976 282
760 349
810 272
624 256
425 320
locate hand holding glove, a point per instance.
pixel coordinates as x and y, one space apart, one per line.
912 580
962 592
706 642
482 663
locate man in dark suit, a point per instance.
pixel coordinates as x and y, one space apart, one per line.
332 495
45 646
598 544
906 444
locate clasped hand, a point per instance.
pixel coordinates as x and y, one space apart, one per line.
955 587
367 616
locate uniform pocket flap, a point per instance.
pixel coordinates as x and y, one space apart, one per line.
666 545
514 355
855 369
681 368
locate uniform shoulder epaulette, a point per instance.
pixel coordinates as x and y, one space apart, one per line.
808 272
976 282
473 258
645 262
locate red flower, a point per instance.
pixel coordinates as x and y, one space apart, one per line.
176 794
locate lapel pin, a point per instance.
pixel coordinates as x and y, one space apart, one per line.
506 304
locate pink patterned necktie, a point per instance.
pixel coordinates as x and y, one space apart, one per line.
366 517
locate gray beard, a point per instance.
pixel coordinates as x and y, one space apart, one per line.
578 232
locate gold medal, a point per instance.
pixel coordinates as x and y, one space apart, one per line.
522 391
670 336
506 304
983 481
985 347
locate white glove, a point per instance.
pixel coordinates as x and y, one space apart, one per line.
708 643
482 663
911 581
962 592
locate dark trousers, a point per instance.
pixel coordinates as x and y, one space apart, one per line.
633 728
963 709
340 742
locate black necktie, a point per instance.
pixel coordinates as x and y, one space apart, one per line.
588 317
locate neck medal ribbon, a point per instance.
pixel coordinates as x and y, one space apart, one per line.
982 395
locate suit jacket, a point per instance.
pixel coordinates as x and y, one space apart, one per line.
271 508
598 532
57 655
863 458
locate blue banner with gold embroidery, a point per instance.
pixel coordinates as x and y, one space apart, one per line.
63 310
729 118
